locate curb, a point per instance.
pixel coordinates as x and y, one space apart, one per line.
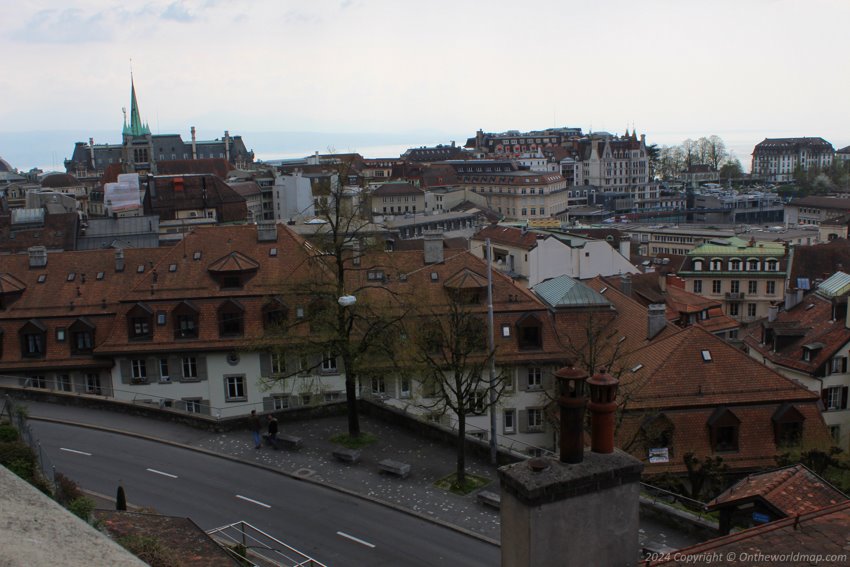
235 459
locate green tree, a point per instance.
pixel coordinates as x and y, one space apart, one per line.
731 169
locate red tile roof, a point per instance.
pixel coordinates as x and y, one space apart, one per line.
793 541
508 236
790 491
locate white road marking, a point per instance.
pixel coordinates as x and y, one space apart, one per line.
163 473
258 503
75 451
352 538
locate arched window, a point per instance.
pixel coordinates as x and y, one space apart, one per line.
753 264
698 264
716 265
735 264
771 265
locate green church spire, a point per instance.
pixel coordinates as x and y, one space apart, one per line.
135 127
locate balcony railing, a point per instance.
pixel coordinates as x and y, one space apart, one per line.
735 296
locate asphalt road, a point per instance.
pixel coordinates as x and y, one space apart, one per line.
335 528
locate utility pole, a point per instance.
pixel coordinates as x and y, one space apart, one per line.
491 343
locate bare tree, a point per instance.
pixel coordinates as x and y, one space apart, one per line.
451 350
350 313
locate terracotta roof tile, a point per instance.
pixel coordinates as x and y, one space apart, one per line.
790 490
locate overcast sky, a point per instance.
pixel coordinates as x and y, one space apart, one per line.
673 69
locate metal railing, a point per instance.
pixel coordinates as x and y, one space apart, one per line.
255 542
660 495
16 415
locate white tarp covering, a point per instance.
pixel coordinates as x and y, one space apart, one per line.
122 196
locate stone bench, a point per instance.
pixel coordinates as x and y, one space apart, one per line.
490 498
394 467
284 441
347 455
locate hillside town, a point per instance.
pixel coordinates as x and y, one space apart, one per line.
467 288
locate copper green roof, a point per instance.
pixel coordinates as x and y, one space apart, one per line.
564 291
837 285
135 127
734 246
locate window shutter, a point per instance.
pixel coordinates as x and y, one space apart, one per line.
268 404
523 421
843 364
844 397
151 368
548 380
265 364
824 396
522 379
125 371
201 363
175 367
156 372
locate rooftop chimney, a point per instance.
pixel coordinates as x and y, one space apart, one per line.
119 260
433 246
626 284
194 145
571 403
38 256
266 232
91 153
657 319
772 312
603 402
227 145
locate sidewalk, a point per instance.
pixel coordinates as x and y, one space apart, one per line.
416 494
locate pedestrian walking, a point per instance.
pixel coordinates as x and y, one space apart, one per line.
272 428
254 423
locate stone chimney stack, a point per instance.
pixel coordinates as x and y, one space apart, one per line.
194 145
657 319
91 153
626 285
433 246
119 260
772 312
37 256
227 145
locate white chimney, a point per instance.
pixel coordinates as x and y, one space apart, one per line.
37 256
194 145
433 246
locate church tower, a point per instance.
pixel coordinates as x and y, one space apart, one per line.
138 156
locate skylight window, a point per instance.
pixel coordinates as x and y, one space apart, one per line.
99 276
196 255
434 276
172 267
71 276
706 356
140 269
637 367
604 289
273 252
42 278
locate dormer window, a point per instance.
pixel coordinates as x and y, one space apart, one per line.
753 265
698 264
716 265
772 265
723 426
185 317
33 339
735 264
233 270
529 332
82 336
788 426
811 350
231 317
275 313
140 322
